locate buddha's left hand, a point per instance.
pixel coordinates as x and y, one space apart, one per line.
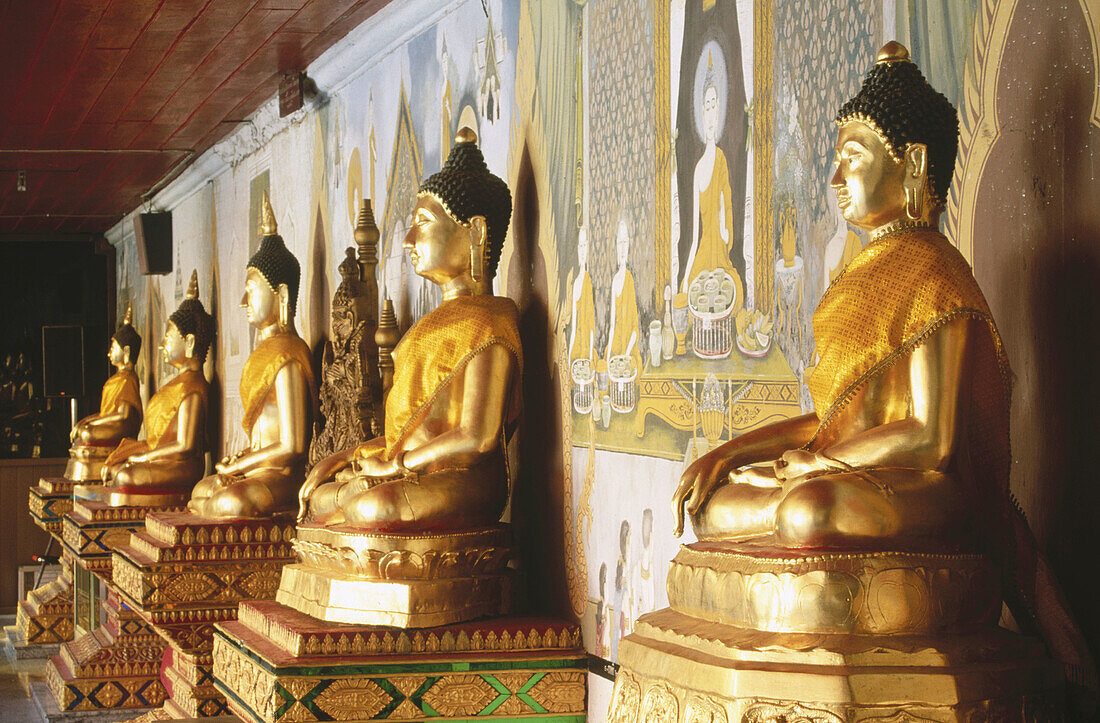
797 463
374 466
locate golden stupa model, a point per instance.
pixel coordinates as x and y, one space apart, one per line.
400 538
851 563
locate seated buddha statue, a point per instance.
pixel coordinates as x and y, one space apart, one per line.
441 464
119 416
162 468
908 449
277 390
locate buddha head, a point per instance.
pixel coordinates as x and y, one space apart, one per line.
461 219
896 146
190 330
710 104
126 342
271 283
343 301
622 240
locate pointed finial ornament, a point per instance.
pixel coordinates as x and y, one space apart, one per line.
893 52
268 227
128 317
193 286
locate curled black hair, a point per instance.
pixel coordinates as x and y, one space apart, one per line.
276 264
191 318
467 188
126 336
901 106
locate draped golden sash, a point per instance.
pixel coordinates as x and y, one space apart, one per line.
263 366
437 348
161 413
889 300
122 386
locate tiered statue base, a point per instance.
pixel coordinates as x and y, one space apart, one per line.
116 666
49 502
93 529
46 616
762 635
182 574
276 664
404 581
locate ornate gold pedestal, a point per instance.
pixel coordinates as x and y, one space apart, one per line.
760 635
183 573
46 616
113 667
92 530
276 664
49 502
405 581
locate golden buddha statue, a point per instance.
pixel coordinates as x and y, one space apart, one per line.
441 463
277 390
912 381
162 468
439 475
859 546
119 416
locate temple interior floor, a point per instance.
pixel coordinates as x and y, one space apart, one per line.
17 702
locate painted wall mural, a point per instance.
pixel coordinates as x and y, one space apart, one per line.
673 233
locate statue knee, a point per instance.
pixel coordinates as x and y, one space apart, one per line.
828 511
227 502
383 506
120 477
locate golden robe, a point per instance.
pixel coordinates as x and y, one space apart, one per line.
626 323
890 299
713 252
585 320
160 415
263 365
122 386
437 348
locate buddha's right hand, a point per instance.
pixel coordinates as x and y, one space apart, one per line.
697 482
322 472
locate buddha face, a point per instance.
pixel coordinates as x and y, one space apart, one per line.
867 180
710 114
622 244
260 301
118 355
438 246
176 347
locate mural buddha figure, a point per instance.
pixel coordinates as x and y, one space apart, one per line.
162 468
582 327
455 399
712 197
624 334
277 390
119 414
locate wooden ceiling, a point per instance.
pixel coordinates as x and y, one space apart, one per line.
102 98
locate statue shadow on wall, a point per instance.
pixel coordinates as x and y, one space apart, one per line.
538 498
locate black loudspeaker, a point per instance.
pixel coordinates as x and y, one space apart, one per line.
63 361
153 233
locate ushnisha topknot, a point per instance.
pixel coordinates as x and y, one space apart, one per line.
902 108
273 260
126 335
465 187
191 318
